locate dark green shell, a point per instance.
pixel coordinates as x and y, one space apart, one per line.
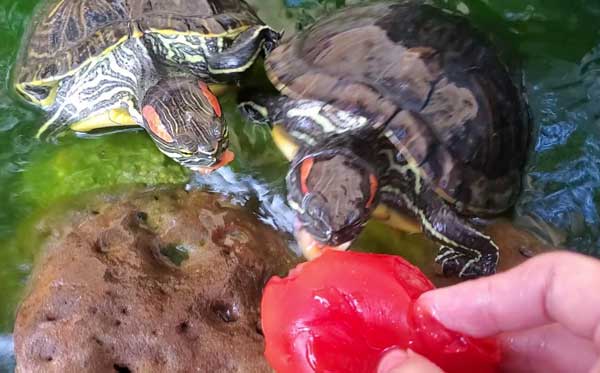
431 82
67 33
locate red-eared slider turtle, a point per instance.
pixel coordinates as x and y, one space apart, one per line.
95 63
438 128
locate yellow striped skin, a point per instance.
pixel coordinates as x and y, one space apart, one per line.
111 118
67 39
393 218
186 122
94 64
68 33
339 180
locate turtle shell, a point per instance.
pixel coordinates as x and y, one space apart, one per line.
431 82
68 33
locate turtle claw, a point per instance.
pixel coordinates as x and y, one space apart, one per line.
456 263
449 260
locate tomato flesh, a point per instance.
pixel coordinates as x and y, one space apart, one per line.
342 311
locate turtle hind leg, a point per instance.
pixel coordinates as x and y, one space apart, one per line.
465 252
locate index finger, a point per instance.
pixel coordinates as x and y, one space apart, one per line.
559 287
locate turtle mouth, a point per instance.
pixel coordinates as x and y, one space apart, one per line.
226 157
322 232
333 238
271 41
322 222
312 247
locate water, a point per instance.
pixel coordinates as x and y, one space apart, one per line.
7 360
559 43
246 190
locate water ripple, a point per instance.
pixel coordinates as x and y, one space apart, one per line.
563 184
246 190
7 353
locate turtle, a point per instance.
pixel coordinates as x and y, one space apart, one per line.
415 103
94 64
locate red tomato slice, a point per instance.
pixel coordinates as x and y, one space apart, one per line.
342 311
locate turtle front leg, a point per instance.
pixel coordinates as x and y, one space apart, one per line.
465 252
242 53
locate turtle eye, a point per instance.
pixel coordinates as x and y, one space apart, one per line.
318 220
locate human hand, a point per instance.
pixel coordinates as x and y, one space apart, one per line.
401 361
545 311
344 311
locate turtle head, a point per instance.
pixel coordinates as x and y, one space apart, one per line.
269 110
255 111
185 120
271 40
333 193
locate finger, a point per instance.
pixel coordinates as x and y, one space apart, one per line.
548 349
556 287
400 361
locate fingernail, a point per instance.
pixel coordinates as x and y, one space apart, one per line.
392 360
400 361
427 303
435 300
451 309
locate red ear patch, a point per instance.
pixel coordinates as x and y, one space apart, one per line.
214 102
373 183
154 123
305 168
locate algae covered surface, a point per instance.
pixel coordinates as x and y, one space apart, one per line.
555 44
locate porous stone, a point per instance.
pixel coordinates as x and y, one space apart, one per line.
154 281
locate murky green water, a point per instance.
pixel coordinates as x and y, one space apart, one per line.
559 43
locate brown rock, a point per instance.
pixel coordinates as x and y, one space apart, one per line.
150 282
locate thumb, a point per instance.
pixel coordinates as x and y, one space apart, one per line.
406 361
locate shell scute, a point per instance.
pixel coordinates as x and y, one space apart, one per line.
67 33
428 77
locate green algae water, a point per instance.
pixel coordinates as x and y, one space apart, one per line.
557 44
